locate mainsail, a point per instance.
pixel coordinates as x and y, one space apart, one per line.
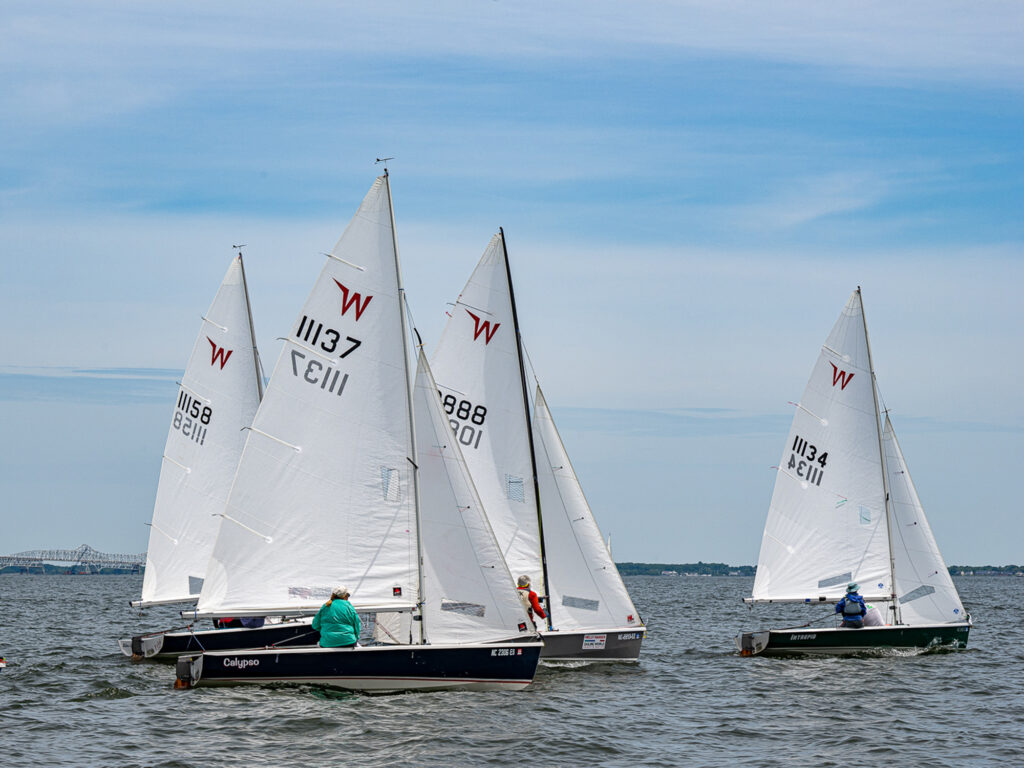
324 493
826 524
217 398
478 371
924 588
586 587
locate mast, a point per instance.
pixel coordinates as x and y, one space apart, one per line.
885 470
252 330
413 459
529 426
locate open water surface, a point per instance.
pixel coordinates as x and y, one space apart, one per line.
69 698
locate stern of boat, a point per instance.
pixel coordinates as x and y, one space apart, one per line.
752 643
188 671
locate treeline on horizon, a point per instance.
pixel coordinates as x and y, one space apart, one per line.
701 568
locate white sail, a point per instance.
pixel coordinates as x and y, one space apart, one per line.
586 588
324 492
218 396
468 593
924 589
477 368
826 524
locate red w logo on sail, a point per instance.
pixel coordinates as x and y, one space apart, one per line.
219 353
484 327
840 376
347 301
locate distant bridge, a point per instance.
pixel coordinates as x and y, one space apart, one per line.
83 556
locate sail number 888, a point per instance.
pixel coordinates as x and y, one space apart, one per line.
462 411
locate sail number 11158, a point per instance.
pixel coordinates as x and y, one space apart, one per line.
803 459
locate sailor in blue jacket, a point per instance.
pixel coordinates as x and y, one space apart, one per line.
852 607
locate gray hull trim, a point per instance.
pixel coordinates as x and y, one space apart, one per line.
621 644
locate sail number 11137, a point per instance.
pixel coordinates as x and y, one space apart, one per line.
803 459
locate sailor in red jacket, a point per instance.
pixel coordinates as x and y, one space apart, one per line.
529 598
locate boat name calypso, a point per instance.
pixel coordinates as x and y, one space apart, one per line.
241 663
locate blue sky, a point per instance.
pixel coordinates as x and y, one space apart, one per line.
690 192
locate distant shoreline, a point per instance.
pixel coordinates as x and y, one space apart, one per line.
626 569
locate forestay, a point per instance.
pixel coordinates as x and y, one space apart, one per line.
324 493
478 373
826 524
468 593
586 587
924 589
218 397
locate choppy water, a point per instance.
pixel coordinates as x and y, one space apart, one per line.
69 698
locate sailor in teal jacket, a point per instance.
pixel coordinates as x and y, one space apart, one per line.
337 621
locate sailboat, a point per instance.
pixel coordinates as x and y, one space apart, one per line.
216 400
844 509
350 476
531 493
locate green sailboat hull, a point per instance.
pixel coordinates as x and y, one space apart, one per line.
841 642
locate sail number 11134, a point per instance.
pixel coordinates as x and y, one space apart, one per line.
803 459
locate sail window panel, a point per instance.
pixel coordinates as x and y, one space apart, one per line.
923 591
834 581
391 485
195 585
310 593
515 489
468 609
581 602
865 515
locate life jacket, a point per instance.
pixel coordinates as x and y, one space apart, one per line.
852 608
524 598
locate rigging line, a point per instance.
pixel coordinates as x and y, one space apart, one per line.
824 422
458 302
188 470
165 533
411 322
222 327
240 524
529 362
296 448
347 263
